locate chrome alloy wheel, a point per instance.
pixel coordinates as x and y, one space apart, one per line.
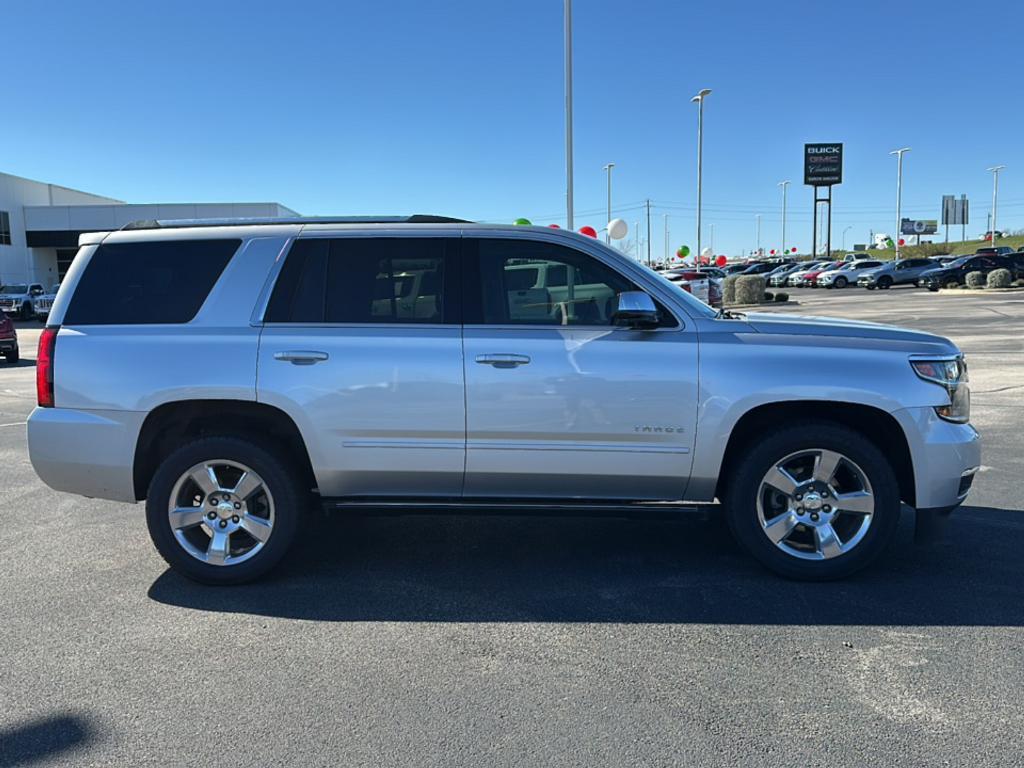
221 512
815 504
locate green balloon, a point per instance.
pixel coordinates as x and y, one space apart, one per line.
684 251
523 223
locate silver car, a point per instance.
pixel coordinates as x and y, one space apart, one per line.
233 375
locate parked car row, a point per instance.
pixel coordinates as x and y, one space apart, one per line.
27 300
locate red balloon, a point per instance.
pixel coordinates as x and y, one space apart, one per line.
772 251
721 261
794 249
554 226
588 231
902 241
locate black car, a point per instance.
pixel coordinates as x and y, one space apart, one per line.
957 271
764 267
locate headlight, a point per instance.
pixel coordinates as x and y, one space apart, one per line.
951 375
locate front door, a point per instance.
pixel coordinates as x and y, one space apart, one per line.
362 347
560 403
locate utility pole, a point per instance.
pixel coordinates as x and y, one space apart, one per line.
995 169
607 233
568 114
648 232
757 251
636 228
899 193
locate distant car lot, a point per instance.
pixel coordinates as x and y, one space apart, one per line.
450 641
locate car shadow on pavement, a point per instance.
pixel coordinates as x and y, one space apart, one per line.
44 738
531 569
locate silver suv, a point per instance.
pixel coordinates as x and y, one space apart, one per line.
233 375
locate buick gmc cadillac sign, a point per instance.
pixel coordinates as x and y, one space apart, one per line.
823 164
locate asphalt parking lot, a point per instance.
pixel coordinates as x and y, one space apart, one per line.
523 641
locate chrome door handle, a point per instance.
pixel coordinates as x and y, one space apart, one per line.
503 360
301 357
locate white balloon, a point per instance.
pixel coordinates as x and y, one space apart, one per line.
706 252
617 229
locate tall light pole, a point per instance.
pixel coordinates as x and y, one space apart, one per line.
995 169
666 239
568 114
784 184
699 98
899 193
844 235
757 250
608 234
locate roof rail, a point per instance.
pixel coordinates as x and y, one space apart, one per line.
417 218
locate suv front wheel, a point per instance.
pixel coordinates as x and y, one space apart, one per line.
814 502
223 510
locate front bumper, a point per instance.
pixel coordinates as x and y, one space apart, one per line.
945 455
8 345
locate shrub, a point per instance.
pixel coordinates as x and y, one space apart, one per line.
999 278
975 279
769 296
782 297
729 289
1018 283
750 289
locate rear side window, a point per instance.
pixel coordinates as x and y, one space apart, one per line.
148 283
367 281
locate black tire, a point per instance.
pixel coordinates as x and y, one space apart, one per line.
279 476
885 282
741 499
870 287
13 357
26 311
840 282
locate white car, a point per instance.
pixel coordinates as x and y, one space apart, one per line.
795 279
18 298
846 274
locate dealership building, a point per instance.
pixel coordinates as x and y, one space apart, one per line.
40 223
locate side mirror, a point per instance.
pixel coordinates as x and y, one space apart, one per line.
635 309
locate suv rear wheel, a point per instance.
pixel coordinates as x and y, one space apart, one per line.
814 502
884 282
223 510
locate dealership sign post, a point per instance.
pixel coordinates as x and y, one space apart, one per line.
823 167
919 227
955 211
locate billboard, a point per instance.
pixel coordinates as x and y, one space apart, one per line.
954 210
919 226
823 164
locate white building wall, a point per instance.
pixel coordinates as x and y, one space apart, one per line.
18 262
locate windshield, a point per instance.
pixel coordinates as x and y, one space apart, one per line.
959 262
14 288
691 301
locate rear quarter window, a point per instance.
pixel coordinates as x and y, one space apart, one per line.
148 283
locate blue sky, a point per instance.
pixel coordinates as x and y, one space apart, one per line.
457 107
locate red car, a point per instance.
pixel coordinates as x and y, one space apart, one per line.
811 278
8 340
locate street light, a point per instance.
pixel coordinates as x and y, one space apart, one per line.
784 184
568 114
608 169
699 98
757 251
995 169
844 235
899 193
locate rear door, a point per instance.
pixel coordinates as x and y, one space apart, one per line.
560 403
362 347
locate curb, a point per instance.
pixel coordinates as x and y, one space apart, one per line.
976 291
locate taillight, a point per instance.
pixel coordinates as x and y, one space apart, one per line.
44 367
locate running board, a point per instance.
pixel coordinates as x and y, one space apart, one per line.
553 508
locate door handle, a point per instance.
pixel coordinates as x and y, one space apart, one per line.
301 357
503 360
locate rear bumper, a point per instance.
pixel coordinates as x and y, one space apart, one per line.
90 453
8 345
